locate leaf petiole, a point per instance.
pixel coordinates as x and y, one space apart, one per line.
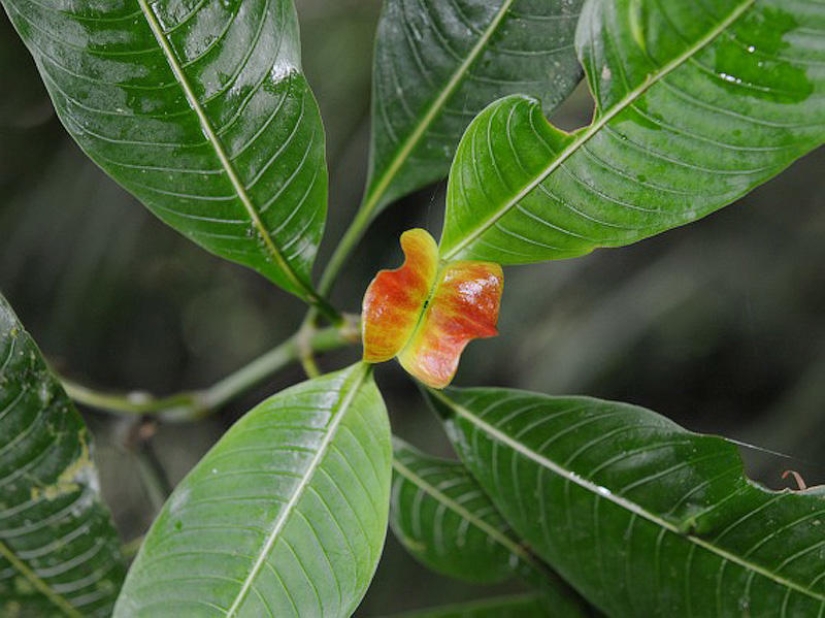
190 406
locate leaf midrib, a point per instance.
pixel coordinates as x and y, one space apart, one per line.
413 139
220 153
362 370
511 546
619 501
427 305
591 131
54 598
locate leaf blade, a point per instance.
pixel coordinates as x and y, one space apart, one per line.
311 469
59 553
432 499
455 58
622 488
442 516
654 157
205 116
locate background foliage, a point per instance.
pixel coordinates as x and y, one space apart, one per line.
718 325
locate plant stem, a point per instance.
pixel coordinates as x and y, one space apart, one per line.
348 242
305 353
193 405
351 237
322 340
320 305
136 403
154 477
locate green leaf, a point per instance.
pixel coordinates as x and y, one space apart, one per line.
696 104
285 516
641 516
442 516
438 64
522 606
59 553
200 111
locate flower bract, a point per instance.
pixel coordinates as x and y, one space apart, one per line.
427 311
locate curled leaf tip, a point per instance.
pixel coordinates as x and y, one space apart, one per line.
426 313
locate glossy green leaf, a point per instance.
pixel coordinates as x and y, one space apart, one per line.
442 516
285 516
59 553
641 516
200 110
522 606
696 104
438 64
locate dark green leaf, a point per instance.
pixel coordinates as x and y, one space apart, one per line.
59 554
285 516
696 104
442 516
201 111
438 64
524 606
643 517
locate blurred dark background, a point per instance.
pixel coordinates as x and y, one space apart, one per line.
718 325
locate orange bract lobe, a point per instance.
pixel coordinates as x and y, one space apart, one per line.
426 313
393 301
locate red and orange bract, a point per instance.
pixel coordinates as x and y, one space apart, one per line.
426 314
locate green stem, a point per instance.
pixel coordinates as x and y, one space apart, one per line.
320 305
376 190
193 405
319 341
348 242
136 403
152 473
351 237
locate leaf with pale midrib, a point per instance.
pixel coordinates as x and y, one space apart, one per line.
202 113
286 515
439 63
696 104
59 553
641 516
442 516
